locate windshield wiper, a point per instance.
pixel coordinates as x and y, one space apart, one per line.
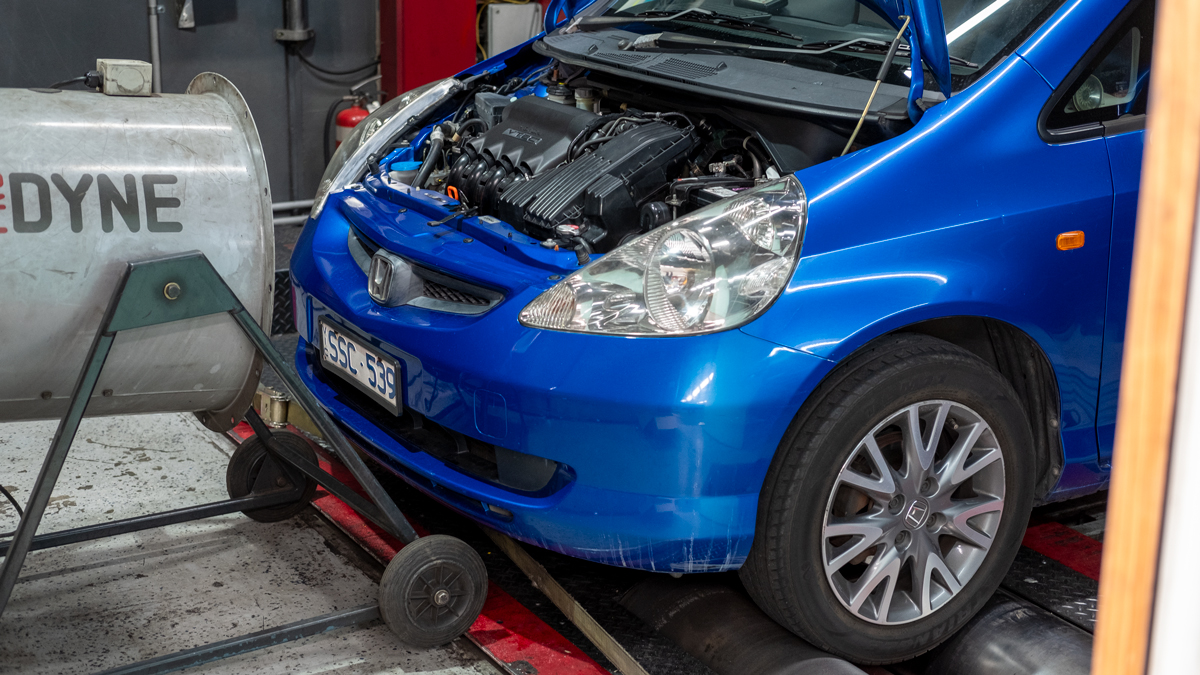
719 19
881 48
685 42
694 14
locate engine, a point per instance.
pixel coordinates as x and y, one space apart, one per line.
557 172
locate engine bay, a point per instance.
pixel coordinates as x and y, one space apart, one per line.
585 161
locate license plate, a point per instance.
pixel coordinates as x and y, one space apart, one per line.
363 366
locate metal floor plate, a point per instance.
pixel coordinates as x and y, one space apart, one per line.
1055 587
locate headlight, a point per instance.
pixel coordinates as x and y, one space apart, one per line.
375 132
713 269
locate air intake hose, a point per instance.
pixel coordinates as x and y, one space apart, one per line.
437 138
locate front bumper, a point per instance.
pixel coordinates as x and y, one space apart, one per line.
662 443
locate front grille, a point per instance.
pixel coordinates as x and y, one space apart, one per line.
446 294
439 292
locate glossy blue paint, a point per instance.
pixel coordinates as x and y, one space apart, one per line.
1055 48
669 454
987 250
668 440
1126 152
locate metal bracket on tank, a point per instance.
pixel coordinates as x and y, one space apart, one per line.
165 290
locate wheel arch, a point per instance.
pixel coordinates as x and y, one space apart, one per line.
1021 361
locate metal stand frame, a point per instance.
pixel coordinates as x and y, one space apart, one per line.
172 289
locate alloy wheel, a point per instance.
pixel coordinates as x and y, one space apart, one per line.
913 512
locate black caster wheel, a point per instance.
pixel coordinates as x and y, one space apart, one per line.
432 591
252 465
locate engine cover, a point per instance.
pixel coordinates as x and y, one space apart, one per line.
534 134
601 191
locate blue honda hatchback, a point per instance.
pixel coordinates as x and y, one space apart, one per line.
831 292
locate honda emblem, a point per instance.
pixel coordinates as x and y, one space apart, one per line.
916 514
379 279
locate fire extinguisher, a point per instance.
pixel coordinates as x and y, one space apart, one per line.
343 121
348 119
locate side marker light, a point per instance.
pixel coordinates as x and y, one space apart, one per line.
1070 240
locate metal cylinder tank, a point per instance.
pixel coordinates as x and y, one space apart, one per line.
89 182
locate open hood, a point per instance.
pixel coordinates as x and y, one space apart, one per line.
926 36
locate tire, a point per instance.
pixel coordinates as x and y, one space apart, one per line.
826 495
248 461
409 591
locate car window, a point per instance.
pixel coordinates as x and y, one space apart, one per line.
1117 81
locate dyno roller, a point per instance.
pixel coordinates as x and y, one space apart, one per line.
89 182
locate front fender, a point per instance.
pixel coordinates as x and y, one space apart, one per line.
843 299
840 300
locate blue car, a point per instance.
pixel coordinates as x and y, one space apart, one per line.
830 292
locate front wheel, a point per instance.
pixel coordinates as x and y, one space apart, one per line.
896 502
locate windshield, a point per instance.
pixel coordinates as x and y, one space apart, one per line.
979 32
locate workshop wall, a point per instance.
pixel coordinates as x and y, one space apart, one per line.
45 41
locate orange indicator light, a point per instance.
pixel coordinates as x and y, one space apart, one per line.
1070 240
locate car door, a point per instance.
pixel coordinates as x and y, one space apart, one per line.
1104 98
1124 70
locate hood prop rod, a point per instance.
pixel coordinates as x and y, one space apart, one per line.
883 69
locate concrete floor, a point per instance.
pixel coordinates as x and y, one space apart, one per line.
97 605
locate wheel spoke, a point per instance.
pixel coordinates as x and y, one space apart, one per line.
983 458
880 489
952 473
884 568
962 511
919 450
935 431
928 561
868 532
422 608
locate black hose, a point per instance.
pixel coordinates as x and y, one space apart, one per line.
329 117
467 100
67 83
685 118
516 84
758 172
590 129
432 153
20 513
327 71
590 142
462 130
